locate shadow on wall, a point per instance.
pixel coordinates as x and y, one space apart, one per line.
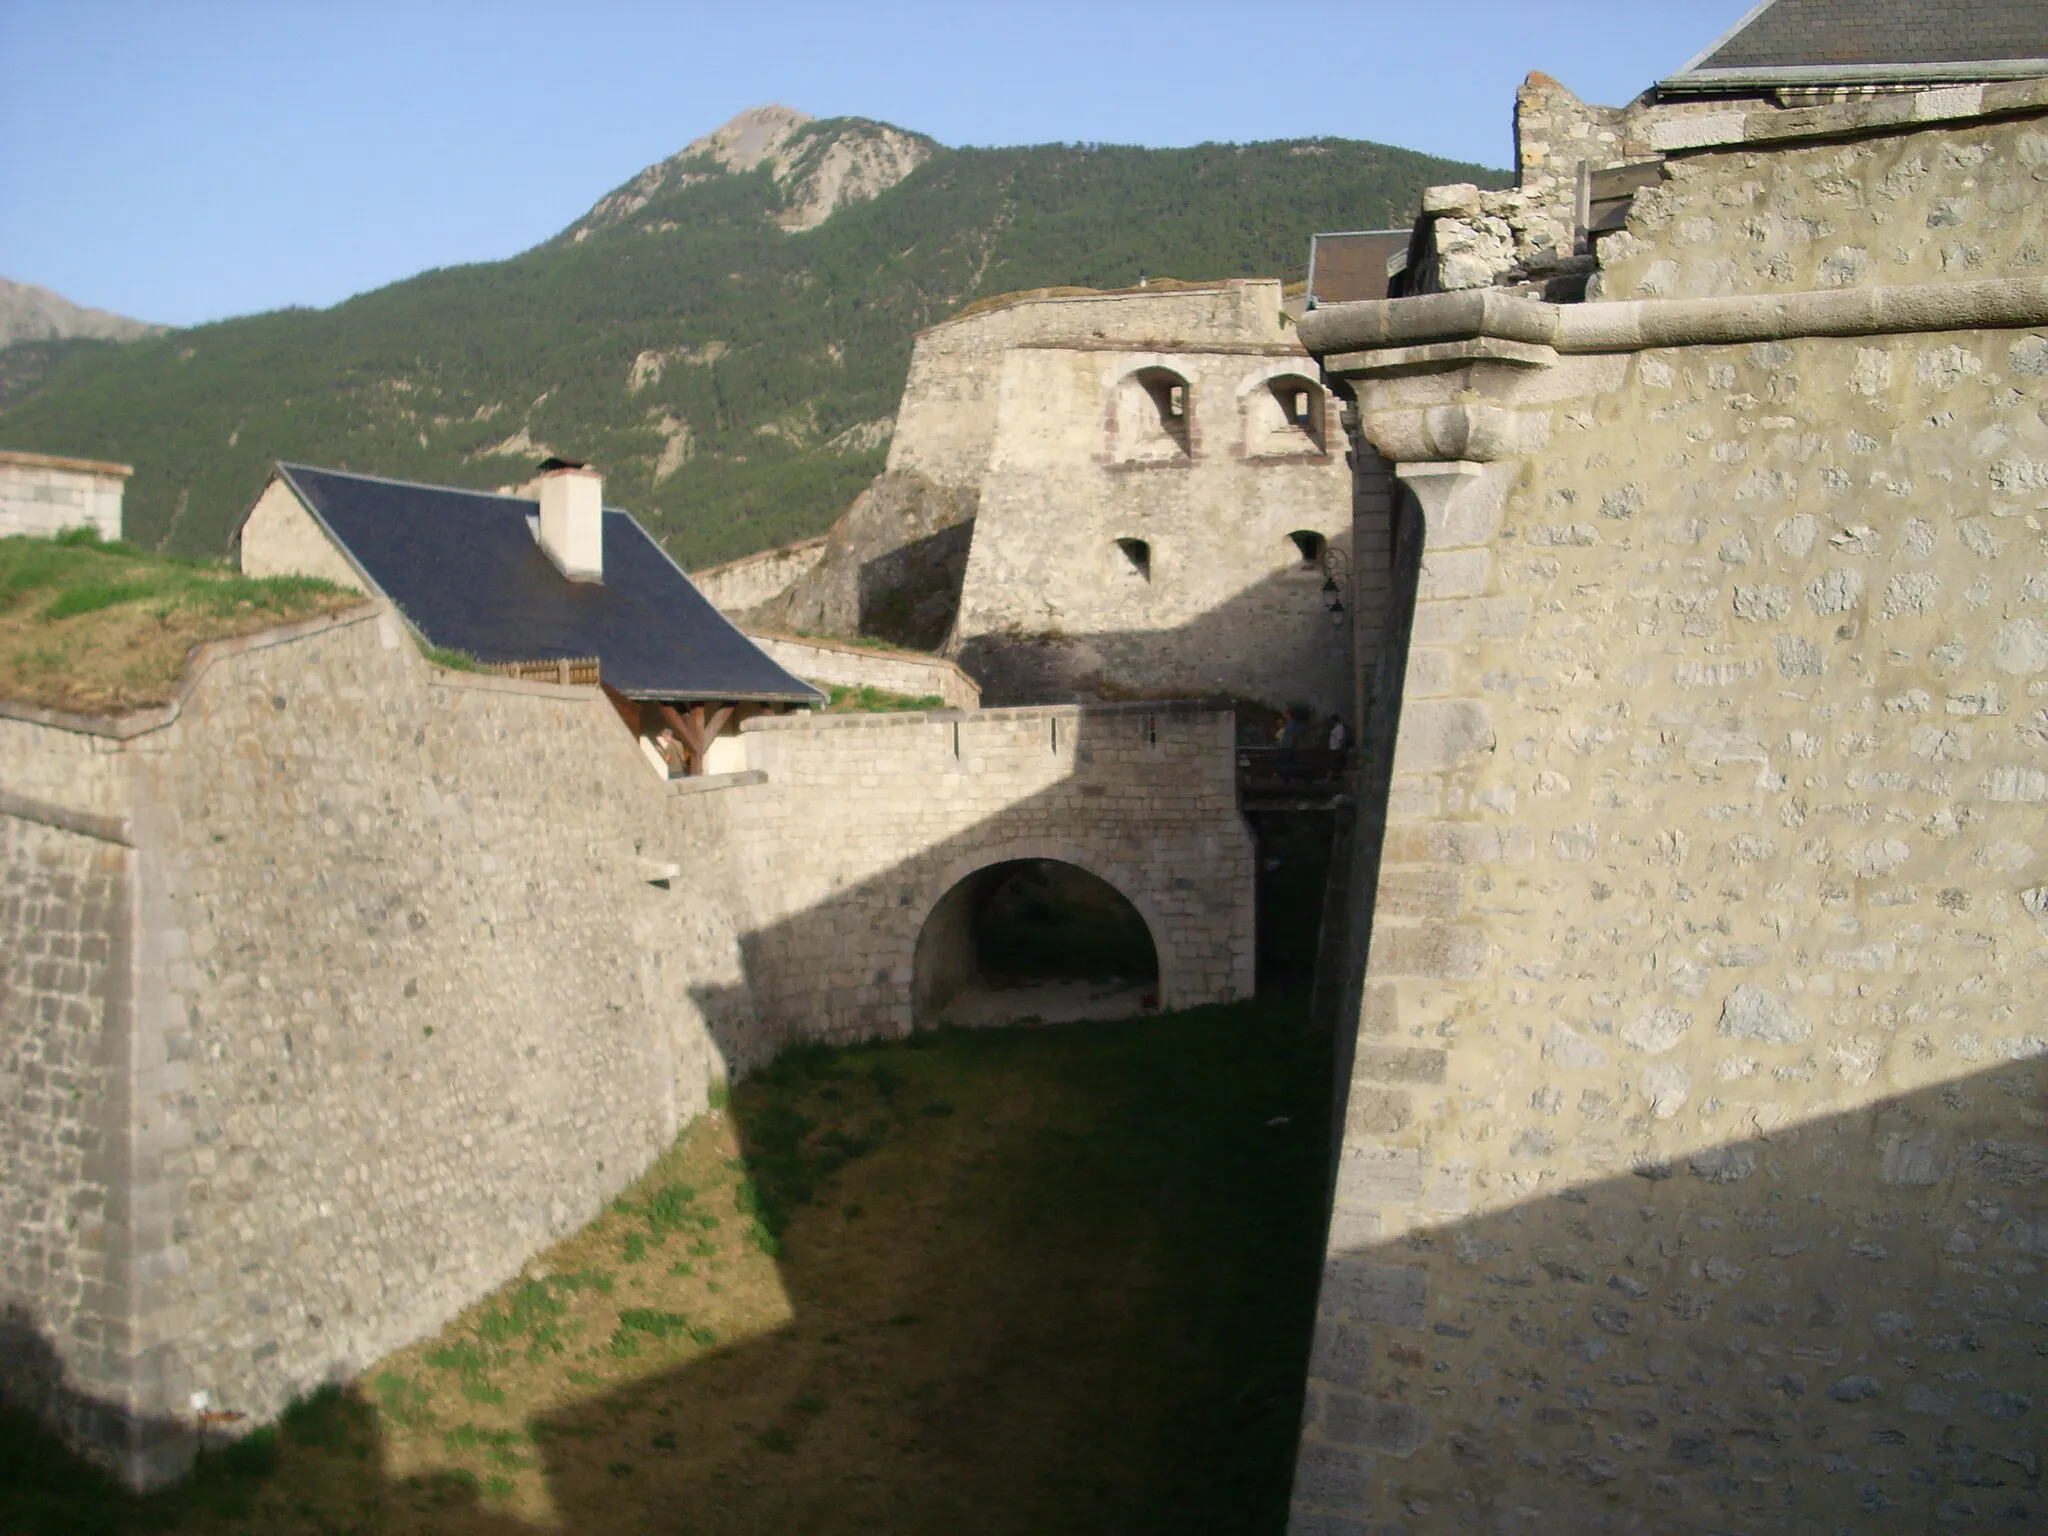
910 596
1066 1285
1273 642
1842 1325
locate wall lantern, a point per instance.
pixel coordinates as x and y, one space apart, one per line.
1336 573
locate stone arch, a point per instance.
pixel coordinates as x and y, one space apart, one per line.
933 893
1282 413
1151 415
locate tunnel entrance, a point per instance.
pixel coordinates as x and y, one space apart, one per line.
1033 939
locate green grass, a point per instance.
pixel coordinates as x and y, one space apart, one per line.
1029 1280
451 658
91 624
868 700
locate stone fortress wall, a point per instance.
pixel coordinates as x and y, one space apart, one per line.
1082 540
333 991
1693 1171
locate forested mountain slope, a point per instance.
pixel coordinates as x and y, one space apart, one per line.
725 336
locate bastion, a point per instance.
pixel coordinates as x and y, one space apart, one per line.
1691 1172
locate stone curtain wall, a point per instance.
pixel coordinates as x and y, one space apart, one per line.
739 585
1693 1172
873 818
333 991
406 1007
904 672
63 947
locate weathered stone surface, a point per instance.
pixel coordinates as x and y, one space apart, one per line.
1752 1012
1757 853
373 967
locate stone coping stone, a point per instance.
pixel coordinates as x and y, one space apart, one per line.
878 721
705 783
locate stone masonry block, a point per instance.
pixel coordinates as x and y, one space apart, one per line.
1379 1009
1376 1112
1418 893
1341 1355
1436 734
1371 1175
1451 951
1458 843
1453 573
1317 1522
1397 1064
1354 1226
1371 1423
1332 1476
1430 671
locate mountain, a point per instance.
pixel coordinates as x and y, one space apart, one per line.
725 335
29 313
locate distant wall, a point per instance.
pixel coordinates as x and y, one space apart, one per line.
42 495
1104 563
946 425
739 585
822 662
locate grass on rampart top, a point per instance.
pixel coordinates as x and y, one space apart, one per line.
1009 1281
868 700
94 627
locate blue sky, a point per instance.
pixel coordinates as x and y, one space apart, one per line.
181 162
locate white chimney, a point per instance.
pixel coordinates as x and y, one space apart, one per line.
572 519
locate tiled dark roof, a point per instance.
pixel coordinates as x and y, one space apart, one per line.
466 569
1870 36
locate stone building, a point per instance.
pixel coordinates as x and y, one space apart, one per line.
1692 1170
1109 495
42 494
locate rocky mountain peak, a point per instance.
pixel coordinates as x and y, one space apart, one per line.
30 313
820 168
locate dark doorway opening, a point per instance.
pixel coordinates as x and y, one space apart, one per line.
1033 939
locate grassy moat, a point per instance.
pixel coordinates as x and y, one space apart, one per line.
1053 1279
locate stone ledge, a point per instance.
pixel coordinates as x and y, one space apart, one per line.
807 721
705 783
105 829
1360 332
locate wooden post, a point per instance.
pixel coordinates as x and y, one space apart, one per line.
696 730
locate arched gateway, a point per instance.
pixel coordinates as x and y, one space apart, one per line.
883 830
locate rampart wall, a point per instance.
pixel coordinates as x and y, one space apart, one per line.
739 585
905 672
334 990
1692 1172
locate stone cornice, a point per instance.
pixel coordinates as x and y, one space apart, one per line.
1347 337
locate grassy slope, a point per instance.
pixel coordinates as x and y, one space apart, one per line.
1019 1280
93 627
423 378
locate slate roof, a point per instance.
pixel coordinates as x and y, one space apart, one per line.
468 572
1841 42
